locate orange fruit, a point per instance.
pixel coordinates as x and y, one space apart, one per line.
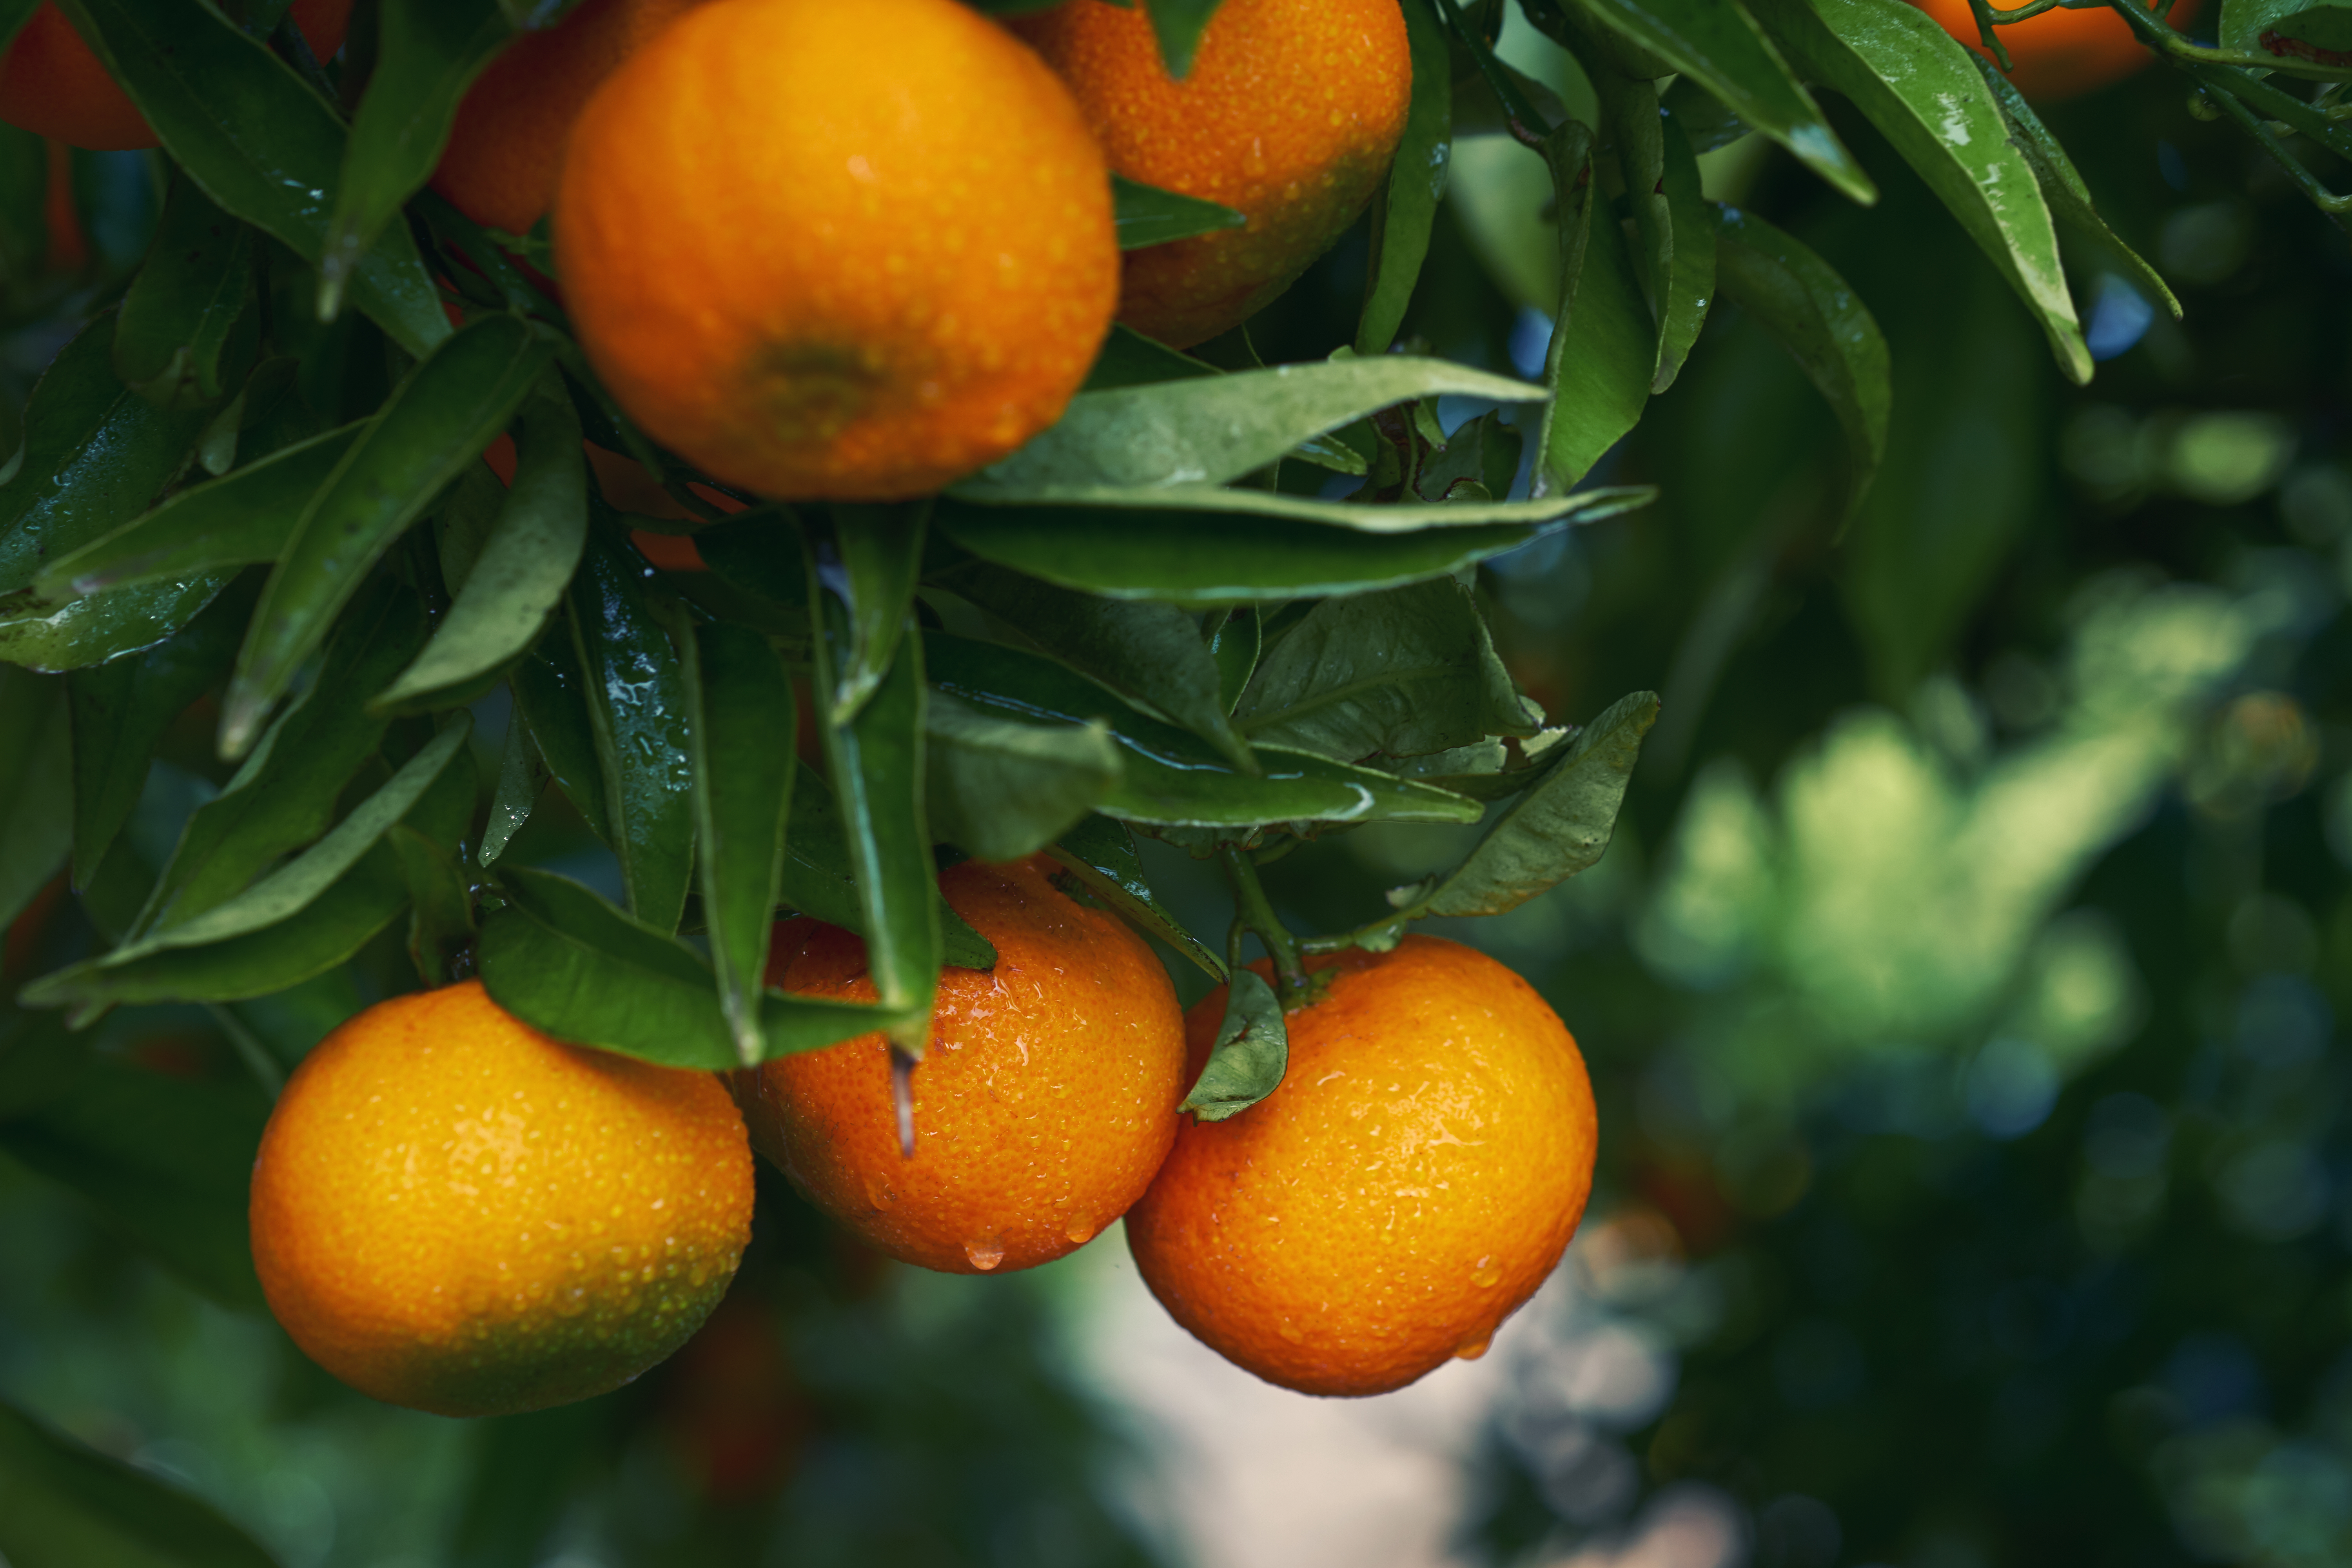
2061 54
51 82
507 141
452 1212
850 252
1410 1185
1290 114
1045 1103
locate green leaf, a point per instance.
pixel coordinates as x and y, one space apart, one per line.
1183 509
119 710
1143 650
999 789
1484 770
1178 25
1604 349
1211 430
523 777
1402 673
1794 295
23 181
2063 188
570 965
1416 184
861 579
741 745
284 795
513 584
637 705
1690 281
1170 777
1208 559
257 140
1145 214
1251 1054
1922 89
428 53
1131 359
173 333
551 694
819 881
1561 828
440 905
63 1505
1100 855
2275 29
244 517
1717 43
1235 644
36 794
440 416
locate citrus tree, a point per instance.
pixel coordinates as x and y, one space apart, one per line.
729 401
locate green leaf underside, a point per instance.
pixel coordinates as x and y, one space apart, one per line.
1001 789
1920 87
1100 853
741 741
1794 295
1210 430
1250 1055
1145 214
1559 827
1416 184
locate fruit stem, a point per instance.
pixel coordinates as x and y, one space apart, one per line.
1252 910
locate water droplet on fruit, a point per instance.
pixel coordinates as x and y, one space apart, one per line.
1081 1228
984 1255
1291 1331
1471 1350
878 1193
1486 1276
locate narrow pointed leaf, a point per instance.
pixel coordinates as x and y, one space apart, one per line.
636 698
1603 351
742 747
1186 507
1921 88
551 694
820 882
1416 184
37 797
1251 1054
999 789
1238 641
173 336
1178 25
1690 281
522 778
1145 214
861 576
1100 854
440 905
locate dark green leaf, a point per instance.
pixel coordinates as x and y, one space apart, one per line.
1235 645
1920 87
285 793
549 694
1561 828
1690 281
1140 649
258 140
514 583
999 789
63 1505
1145 214
1211 430
175 327
1822 323
443 413
36 794
522 777
24 185
1178 25
1131 359
819 881
1251 1054
463 522
1637 131
1416 183
1481 770
2270 30
1402 673
1100 854
636 706
1184 508
1604 349
741 745
1706 120
121 709
1719 45
861 575
759 556
242 518
428 53
440 905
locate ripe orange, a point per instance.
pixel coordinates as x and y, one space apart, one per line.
452 1212
2061 54
1290 114
836 251
1045 1102
507 141
1409 1185
51 82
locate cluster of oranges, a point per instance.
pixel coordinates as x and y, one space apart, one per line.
452 1211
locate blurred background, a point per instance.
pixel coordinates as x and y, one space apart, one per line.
1961 991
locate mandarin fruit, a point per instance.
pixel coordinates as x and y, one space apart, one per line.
1410 1185
829 251
452 1212
52 83
507 141
2061 54
1045 1103
1290 115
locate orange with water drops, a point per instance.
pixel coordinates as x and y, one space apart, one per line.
836 251
1290 115
452 1212
52 83
2061 54
1408 1186
1046 1101
505 142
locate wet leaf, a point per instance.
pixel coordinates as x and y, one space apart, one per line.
173 337
635 694
1145 214
1100 854
440 907
523 777
551 694
999 789
742 746
1251 1054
